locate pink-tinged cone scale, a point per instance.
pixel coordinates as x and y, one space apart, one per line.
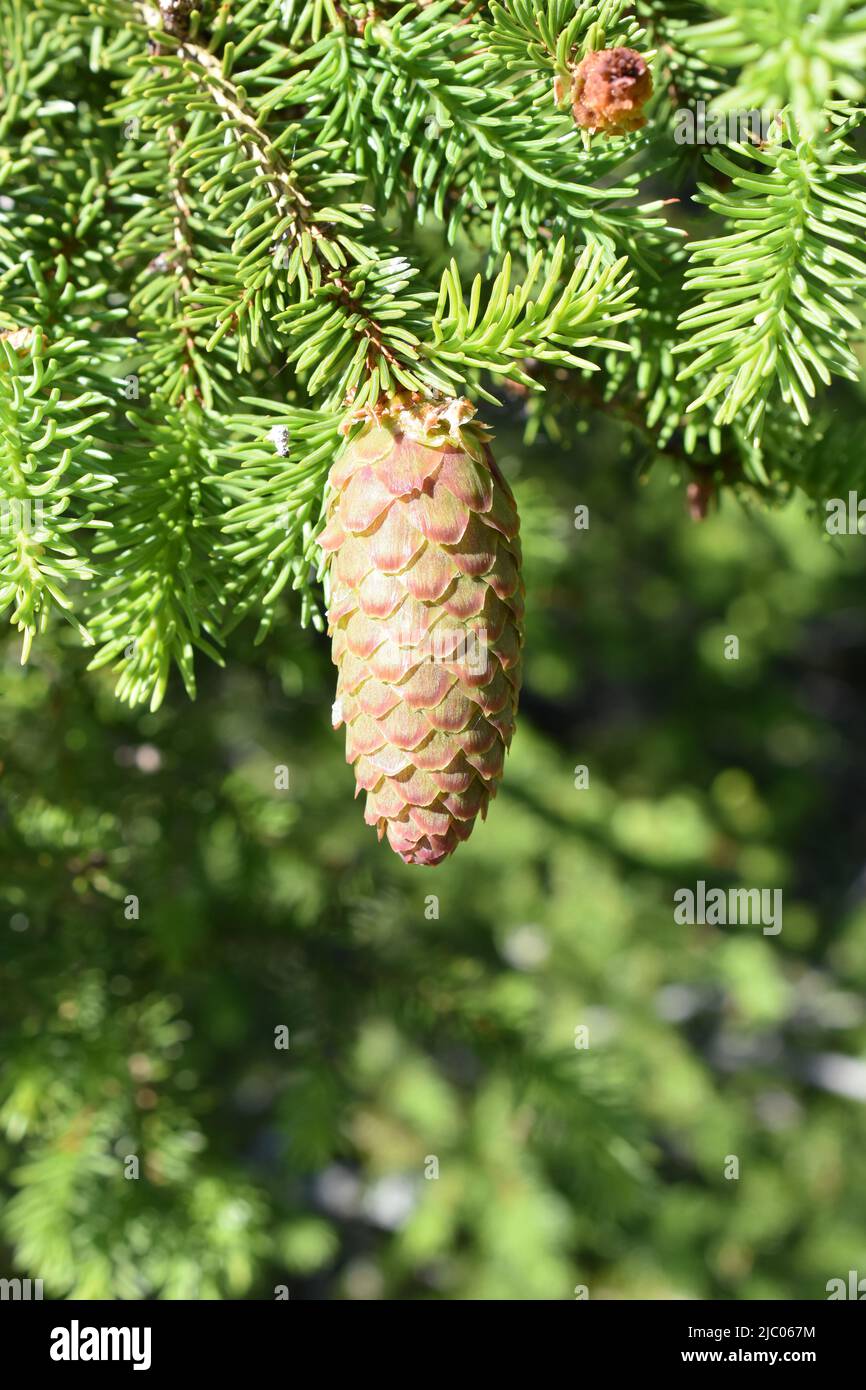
426 620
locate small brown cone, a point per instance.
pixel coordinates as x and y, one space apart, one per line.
609 90
425 616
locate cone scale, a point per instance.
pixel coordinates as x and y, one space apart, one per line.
425 616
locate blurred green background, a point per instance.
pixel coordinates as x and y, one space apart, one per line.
421 1042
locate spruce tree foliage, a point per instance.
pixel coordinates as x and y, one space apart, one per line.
144 1029
226 228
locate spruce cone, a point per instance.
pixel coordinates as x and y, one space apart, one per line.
609 90
425 615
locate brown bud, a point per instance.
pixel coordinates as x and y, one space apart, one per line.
699 495
609 90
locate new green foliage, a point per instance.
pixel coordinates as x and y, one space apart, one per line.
222 220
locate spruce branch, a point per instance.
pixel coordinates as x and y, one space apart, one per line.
269 477
164 237
550 38
254 202
797 54
162 597
434 120
781 292
513 326
283 244
52 469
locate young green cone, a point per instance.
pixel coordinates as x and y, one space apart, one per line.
425 615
